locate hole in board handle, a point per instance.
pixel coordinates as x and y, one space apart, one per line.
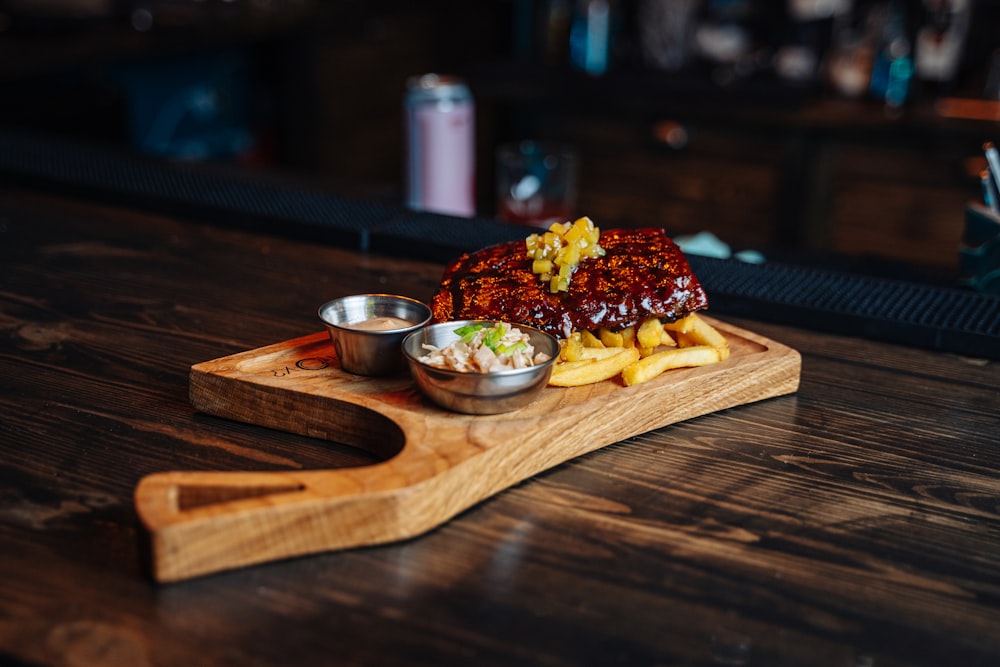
192 497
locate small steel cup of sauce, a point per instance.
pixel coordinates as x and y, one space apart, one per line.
367 330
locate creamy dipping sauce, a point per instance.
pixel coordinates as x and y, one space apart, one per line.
380 324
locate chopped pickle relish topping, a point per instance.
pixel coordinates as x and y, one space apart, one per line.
556 253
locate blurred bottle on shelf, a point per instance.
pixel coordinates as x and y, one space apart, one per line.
851 58
665 30
731 39
811 26
592 32
940 43
723 34
892 71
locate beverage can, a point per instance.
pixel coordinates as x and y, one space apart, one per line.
440 122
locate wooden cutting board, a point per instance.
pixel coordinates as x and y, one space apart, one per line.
437 463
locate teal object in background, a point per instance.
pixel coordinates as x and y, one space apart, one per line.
591 34
979 254
196 107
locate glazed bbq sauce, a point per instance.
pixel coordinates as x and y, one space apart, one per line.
642 274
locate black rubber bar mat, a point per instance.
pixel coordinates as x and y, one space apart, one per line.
927 316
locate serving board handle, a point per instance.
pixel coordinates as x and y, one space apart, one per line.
200 522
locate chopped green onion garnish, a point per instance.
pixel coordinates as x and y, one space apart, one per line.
468 332
493 337
511 349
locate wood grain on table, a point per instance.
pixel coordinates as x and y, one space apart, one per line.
854 522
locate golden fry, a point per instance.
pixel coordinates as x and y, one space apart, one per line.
684 339
599 352
572 348
693 330
654 365
649 333
682 325
706 334
628 336
577 373
590 340
610 338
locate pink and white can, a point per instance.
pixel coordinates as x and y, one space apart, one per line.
440 120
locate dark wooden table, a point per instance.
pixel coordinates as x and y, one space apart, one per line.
853 523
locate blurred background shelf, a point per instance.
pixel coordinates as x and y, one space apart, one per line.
766 166
313 89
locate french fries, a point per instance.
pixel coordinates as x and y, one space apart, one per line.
590 340
589 371
650 332
699 332
646 369
572 348
611 338
638 354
